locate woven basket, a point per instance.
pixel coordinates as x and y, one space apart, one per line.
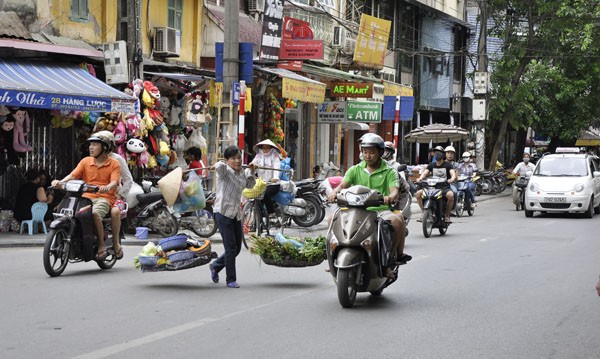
256 191
290 262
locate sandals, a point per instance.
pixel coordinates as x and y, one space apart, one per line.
101 255
119 253
447 220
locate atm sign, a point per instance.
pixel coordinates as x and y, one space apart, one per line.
352 89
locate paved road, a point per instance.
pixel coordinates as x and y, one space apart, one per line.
497 285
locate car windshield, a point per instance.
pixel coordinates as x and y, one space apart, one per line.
562 166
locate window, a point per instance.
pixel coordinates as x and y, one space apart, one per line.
174 13
79 10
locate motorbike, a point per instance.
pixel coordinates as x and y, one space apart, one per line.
150 210
521 182
72 237
201 222
434 205
359 244
463 202
311 191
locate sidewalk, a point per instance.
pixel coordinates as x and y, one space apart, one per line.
14 239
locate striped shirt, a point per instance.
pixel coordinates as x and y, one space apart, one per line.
229 190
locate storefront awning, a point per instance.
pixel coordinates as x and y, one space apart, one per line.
336 74
298 87
180 76
58 87
360 126
587 139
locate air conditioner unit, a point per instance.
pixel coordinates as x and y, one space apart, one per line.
350 45
388 74
167 42
339 36
256 5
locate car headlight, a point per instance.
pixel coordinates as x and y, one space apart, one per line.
579 187
534 187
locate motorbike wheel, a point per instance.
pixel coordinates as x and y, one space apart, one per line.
501 184
443 229
166 223
477 191
471 209
427 222
109 261
204 224
314 213
248 220
487 187
346 286
460 206
56 252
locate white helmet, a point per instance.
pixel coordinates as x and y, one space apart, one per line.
466 154
450 149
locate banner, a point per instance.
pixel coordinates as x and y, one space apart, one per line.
271 30
302 90
363 111
332 112
372 41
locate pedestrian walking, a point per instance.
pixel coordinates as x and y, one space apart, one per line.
231 181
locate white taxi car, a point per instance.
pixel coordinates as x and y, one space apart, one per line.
567 181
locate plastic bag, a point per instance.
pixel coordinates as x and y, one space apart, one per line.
259 188
191 195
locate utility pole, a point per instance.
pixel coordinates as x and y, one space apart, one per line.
231 56
482 68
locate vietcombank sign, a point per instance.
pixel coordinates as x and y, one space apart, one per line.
362 111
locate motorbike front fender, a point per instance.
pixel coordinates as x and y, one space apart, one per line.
61 222
348 258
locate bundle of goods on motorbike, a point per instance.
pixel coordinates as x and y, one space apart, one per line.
174 253
288 251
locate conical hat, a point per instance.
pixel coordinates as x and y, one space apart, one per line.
169 185
265 142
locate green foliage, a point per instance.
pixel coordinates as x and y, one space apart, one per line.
313 249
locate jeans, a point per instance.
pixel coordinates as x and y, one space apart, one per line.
469 191
232 234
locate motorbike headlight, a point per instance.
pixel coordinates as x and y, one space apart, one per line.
579 187
534 187
73 186
356 199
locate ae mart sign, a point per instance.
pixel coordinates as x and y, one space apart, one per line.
352 89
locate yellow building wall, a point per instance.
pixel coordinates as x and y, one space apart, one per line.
101 26
191 28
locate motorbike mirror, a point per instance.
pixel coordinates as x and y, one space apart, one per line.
402 168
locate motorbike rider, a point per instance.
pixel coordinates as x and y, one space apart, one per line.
521 169
451 159
442 169
388 156
101 170
267 160
374 172
468 168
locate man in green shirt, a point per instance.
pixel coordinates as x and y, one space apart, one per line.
374 172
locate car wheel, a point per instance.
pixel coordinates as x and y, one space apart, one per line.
590 210
597 208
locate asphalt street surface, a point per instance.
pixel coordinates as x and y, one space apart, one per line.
497 285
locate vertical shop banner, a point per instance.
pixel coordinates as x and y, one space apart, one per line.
372 41
271 30
363 111
332 112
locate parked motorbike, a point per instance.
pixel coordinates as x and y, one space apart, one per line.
521 182
201 222
310 190
359 244
434 205
463 202
151 211
72 236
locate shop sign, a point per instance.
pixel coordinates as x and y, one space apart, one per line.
372 40
363 111
332 112
301 50
63 102
352 89
302 90
393 89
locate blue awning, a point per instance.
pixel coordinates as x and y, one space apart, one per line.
58 87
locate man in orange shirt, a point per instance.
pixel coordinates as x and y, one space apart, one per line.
100 170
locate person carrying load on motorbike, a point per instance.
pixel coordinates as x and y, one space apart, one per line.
521 170
441 169
119 208
468 169
99 169
374 172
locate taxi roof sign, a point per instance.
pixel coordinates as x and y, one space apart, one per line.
568 150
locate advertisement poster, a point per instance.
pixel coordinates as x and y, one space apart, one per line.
271 31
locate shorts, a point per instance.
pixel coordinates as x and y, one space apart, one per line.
100 206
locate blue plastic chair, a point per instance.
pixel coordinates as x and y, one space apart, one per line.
38 211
